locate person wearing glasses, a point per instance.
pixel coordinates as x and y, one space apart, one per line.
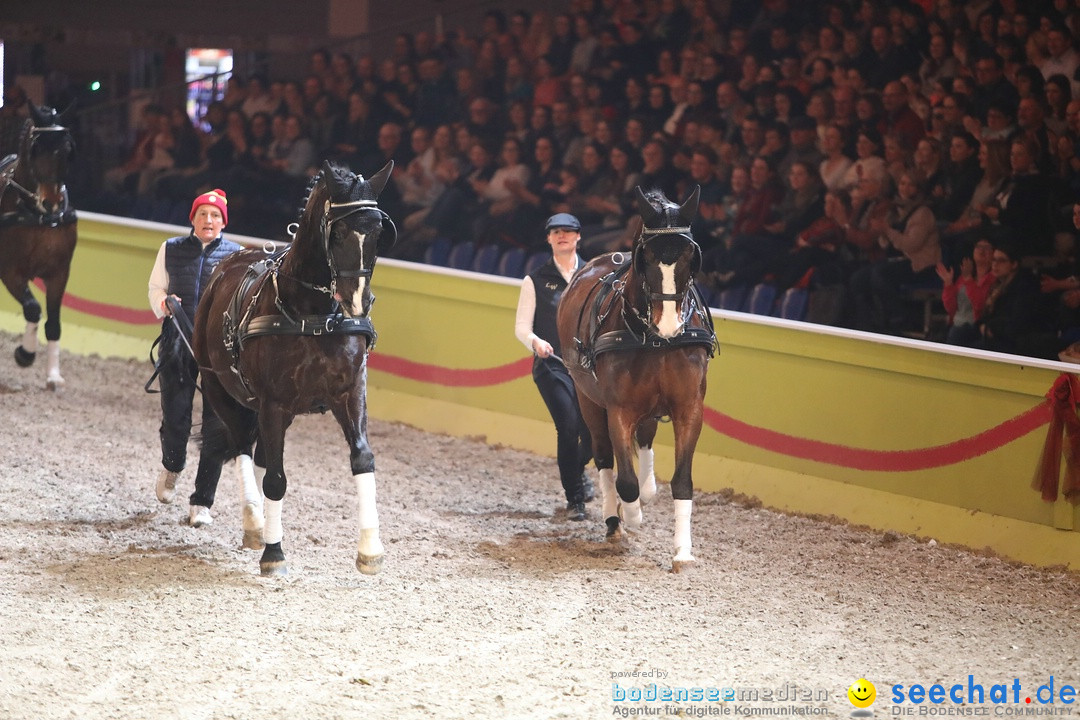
1013 321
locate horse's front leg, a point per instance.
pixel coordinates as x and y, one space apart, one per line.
687 428
644 435
352 416
26 352
54 297
621 426
595 418
273 422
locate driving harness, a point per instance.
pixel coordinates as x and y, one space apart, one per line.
637 332
238 325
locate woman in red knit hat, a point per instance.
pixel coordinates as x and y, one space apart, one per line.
181 272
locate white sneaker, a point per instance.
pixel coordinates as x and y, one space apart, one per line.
199 515
166 486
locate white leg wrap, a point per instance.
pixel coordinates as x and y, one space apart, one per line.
683 509
646 475
30 339
369 545
607 493
52 354
252 512
250 486
272 531
260 473
632 515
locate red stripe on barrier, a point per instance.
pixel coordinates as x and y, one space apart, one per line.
771 440
881 460
105 310
447 376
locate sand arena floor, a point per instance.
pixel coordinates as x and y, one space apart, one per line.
490 604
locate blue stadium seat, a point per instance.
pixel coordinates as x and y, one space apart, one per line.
438 252
761 299
461 255
733 298
487 259
793 303
535 260
512 263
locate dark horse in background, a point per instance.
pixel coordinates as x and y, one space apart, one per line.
38 230
286 335
637 340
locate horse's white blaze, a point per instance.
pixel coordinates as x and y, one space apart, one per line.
369 544
683 509
30 338
52 355
646 474
670 323
607 493
357 303
272 531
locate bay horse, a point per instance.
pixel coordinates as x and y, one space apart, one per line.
637 339
287 335
38 230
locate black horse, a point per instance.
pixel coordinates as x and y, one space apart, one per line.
637 340
38 230
289 335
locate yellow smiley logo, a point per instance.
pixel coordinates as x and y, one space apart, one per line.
862 693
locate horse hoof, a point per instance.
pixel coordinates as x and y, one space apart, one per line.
677 566
55 383
369 564
647 491
253 527
273 568
165 486
614 530
24 358
253 540
199 516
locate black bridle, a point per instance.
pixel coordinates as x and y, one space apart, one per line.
335 212
31 199
332 213
648 234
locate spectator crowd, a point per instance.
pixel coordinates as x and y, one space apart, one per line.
869 152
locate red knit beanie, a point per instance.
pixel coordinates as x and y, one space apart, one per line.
215 197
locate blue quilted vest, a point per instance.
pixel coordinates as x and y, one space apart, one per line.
549 285
190 265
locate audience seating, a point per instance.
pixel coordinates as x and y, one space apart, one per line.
461 255
793 303
486 259
761 300
535 260
512 263
438 253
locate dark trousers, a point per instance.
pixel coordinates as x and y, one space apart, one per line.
177 378
574 445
